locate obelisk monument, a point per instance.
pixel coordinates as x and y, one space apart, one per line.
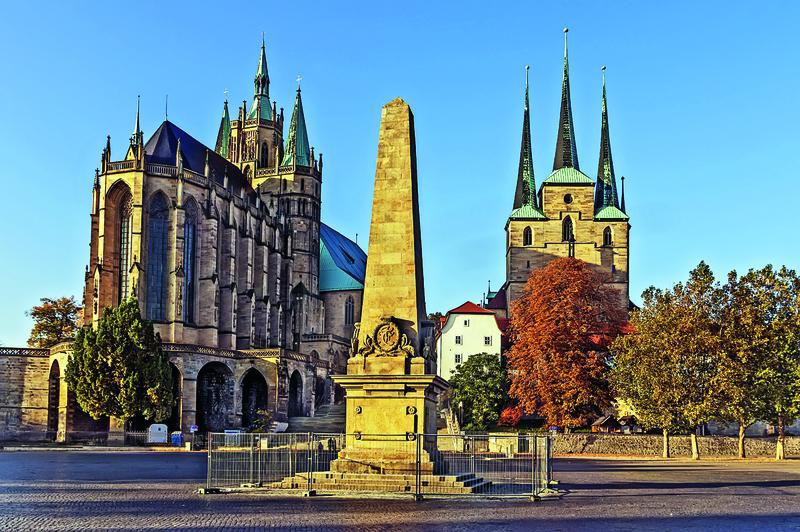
391 381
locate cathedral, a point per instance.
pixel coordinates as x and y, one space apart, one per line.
254 298
569 215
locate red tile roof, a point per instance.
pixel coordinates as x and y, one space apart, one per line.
469 308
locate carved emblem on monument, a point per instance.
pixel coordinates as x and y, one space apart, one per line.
387 340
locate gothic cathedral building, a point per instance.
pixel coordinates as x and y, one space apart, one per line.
254 298
569 215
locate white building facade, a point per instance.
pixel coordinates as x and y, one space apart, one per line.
465 331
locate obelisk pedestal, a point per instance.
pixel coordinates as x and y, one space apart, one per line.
391 383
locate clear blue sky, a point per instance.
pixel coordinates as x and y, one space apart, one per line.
704 103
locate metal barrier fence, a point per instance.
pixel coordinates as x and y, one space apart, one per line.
416 464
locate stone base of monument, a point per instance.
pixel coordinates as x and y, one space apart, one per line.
386 483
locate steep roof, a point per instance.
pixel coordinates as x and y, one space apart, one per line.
566 151
297 148
163 146
469 308
610 213
342 263
525 194
605 194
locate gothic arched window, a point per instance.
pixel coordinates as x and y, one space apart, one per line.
157 234
349 311
124 250
607 241
567 232
527 236
264 155
189 244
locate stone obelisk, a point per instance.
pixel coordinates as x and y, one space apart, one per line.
391 381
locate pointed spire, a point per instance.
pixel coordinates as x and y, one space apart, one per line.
526 183
605 194
137 139
224 133
566 152
261 107
297 151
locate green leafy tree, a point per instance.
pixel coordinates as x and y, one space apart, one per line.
120 370
744 350
54 321
480 390
776 300
665 367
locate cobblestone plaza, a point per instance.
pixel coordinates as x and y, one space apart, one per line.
153 491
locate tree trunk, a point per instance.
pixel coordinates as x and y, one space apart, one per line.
742 429
695 447
665 454
779 447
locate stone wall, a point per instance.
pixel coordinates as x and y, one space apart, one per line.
23 389
651 445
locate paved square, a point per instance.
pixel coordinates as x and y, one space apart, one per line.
56 490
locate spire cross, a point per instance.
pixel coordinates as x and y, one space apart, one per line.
299 79
226 94
566 31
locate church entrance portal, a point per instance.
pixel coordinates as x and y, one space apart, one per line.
295 395
254 397
214 397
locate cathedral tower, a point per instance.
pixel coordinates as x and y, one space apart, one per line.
572 215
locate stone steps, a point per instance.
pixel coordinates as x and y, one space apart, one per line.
334 481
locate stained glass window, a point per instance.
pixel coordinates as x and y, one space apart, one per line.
189 238
157 234
124 249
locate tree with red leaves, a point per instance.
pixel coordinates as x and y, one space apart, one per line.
561 328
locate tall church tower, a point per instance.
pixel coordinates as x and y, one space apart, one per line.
572 215
288 178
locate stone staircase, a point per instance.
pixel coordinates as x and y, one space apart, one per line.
327 419
430 484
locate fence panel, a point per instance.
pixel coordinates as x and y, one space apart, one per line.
418 464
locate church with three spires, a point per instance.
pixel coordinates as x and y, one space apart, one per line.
569 215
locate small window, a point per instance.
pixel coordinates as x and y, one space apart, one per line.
458 358
528 264
527 236
487 340
607 241
458 340
466 323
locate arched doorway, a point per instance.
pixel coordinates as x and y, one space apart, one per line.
174 420
53 398
254 397
295 394
214 397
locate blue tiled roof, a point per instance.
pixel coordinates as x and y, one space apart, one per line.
163 146
342 263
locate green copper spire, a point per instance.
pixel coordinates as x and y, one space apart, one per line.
526 183
605 192
224 134
566 152
297 150
261 106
